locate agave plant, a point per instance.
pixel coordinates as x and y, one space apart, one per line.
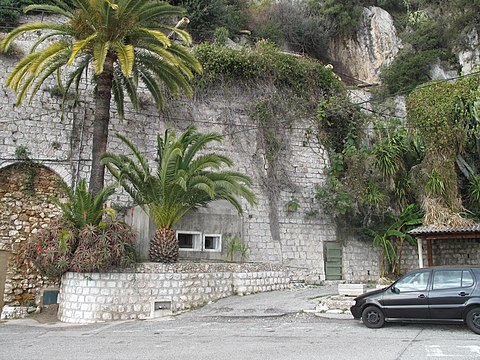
101 247
83 239
50 249
184 180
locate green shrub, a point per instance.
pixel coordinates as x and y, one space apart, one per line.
264 62
10 10
343 16
221 35
428 43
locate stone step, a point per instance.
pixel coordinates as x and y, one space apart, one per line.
351 289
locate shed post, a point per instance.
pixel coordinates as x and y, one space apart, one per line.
420 253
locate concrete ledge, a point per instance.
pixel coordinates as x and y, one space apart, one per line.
351 289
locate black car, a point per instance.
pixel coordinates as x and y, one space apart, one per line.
428 295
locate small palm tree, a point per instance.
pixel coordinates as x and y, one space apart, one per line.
126 44
184 180
82 208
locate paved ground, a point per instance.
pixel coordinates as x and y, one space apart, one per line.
268 304
278 325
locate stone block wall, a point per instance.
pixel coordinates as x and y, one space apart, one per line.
362 262
93 297
455 251
22 213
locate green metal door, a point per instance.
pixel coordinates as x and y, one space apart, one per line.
333 261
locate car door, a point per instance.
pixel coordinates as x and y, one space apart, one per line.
451 289
408 297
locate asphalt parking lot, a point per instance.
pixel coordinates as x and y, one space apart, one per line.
276 325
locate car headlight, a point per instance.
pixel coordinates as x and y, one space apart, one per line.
353 302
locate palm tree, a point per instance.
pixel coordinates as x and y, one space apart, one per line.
184 180
125 43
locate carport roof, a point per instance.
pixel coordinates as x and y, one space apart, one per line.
429 233
432 232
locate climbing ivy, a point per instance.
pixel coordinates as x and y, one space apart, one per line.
30 169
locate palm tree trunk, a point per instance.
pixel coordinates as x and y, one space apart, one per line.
103 95
164 246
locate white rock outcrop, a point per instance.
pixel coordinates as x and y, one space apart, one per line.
373 46
470 57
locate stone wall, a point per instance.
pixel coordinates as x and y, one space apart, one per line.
21 214
62 141
158 289
362 262
455 251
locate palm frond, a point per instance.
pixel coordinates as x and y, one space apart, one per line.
156 34
14 80
82 208
182 34
55 9
186 57
158 10
43 60
79 46
183 180
22 29
126 57
118 95
53 67
75 76
45 37
153 87
100 51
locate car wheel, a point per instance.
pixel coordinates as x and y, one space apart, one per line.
373 317
473 320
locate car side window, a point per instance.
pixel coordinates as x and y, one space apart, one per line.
467 279
413 282
450 279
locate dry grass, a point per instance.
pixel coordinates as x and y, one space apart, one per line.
437 214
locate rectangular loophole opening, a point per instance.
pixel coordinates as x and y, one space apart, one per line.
189 240
212 242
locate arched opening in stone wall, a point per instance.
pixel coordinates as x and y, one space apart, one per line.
25 190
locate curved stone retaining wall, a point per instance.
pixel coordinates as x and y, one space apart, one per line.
157 289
